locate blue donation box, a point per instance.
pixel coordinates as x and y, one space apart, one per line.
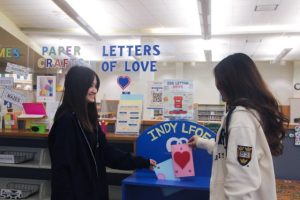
155 143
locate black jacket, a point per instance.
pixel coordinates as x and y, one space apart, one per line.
78 172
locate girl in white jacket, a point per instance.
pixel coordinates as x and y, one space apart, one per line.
250 134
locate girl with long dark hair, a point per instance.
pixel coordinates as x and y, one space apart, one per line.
251 132
79 150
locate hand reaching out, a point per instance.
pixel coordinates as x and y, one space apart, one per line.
152 164
193 141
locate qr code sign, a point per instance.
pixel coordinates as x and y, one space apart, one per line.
156 97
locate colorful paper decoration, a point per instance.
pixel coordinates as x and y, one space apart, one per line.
10 121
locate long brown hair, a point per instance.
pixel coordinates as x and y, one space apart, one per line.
240 83
77 82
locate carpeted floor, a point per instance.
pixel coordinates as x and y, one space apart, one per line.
288 190
115 192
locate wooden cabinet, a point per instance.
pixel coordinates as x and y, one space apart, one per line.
25 163
36 171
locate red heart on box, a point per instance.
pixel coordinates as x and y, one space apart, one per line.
182 158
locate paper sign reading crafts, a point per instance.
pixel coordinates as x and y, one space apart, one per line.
183 163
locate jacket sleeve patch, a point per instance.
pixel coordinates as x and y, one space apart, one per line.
244 154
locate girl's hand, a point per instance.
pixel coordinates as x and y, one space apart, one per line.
152 164
193 141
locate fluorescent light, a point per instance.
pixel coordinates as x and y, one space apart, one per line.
71 12
255 29
281 55
81 21
208 55
204 7
267 7
93 13
175 31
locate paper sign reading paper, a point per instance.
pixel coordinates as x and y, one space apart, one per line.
183 163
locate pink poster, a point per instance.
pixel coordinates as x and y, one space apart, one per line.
183 163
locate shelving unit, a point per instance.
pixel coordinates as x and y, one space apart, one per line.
37 170
209 112
43 187
108 108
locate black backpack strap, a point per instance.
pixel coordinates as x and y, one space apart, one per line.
228 117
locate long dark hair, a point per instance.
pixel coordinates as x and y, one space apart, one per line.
77 82
240 83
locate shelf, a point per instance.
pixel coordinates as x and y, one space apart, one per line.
44 187
41 157
206 112
22 133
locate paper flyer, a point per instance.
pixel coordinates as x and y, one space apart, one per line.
46 88
178 99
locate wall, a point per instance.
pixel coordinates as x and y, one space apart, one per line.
287 165
296 78
279 79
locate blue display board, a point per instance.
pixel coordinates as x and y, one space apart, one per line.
155 143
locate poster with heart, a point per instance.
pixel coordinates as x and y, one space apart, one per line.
183 164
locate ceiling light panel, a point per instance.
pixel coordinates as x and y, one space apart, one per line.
36 14
140 17
239 17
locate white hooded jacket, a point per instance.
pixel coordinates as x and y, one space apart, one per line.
247 172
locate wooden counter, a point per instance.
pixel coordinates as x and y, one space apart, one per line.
153 122
110 136
28 134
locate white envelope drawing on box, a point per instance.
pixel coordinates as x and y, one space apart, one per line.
164 170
